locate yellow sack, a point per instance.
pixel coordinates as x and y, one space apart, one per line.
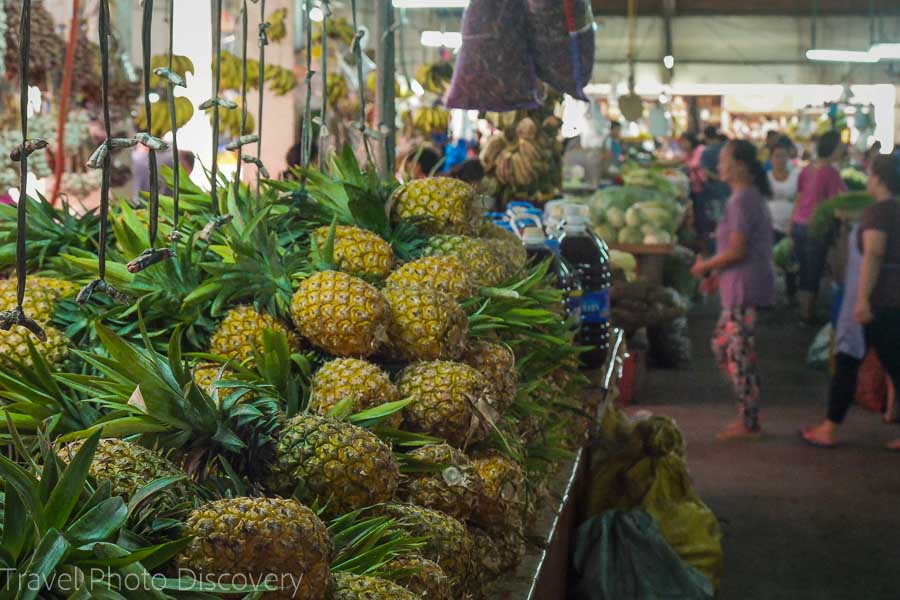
641 464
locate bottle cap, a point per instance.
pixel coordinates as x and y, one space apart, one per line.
533 236
575 222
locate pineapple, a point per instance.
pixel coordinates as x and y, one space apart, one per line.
358 251
446 541
498 364
450 400
502 500
127 466
341 314
506 243
447 205
420 576
40 300
242 330
41 296
508 257
497 551
481 260
366 384
446 274
454 490
13 346
341 464
427 324
254 537
359 587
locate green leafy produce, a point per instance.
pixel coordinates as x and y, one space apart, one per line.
783 254
822 222
855 179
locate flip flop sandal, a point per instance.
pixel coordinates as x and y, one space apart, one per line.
815 443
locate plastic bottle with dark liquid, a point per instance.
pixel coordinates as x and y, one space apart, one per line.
566 278
589 256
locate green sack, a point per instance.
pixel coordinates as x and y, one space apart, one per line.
623 554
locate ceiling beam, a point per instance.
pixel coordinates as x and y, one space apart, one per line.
751 7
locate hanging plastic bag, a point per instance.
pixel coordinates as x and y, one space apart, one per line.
494 70
562 34
624 555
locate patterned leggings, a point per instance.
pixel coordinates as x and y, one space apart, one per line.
735 352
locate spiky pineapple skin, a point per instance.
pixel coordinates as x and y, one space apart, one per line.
497 552
498 364
259 536
450 400
41 295
14 347
127 466
502 502
242 329
359 587
454 490
364 382
507 243
484 265
442 273
341 314
358 251
448 205
426 325
341 464
421 576
446 541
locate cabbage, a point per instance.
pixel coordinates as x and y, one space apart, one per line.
633 217
615 217
606 233
631 235
658 237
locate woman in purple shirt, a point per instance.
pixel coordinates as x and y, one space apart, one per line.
746 278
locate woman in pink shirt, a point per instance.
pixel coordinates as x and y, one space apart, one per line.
817 183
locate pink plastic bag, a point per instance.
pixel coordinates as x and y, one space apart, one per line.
563 42
495 69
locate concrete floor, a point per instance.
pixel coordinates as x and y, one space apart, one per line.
799 522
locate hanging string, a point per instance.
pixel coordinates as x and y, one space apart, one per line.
217 53
173 123
357 53
263 42
216 103
323 125
240 145
20 155
101 159
306 126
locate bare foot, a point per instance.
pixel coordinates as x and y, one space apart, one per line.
738 430
893 446
823 435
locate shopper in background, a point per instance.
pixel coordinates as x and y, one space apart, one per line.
693 149
783 181
140 170
425 162
772 138
612 146
817 183
877 302
294 158
746 278
710 203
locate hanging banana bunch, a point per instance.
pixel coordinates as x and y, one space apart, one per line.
435 78
277 25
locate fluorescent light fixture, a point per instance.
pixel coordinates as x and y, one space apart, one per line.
854 56
885 51
431 3
669 61
316 14
438 39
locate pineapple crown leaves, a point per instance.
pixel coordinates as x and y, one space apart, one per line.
57 521
51 231
33 401
365 544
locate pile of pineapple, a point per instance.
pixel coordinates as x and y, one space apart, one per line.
356 386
